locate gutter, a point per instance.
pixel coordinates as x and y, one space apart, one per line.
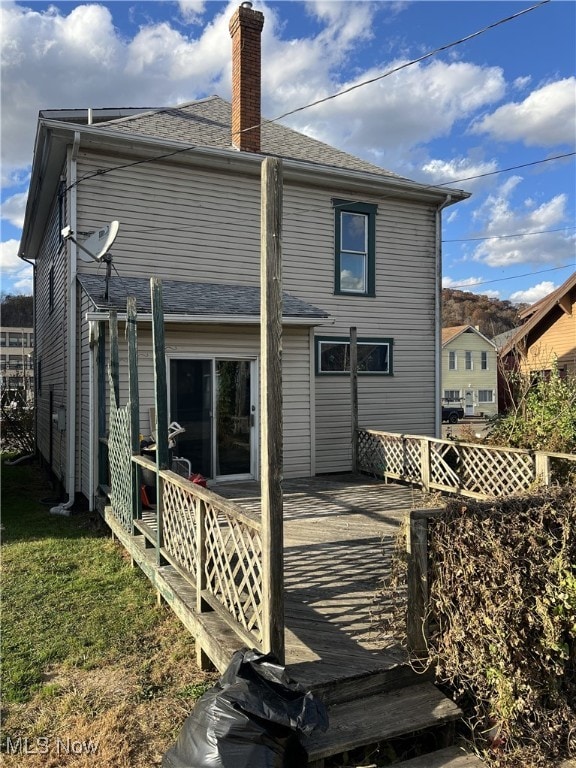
438 320
146 317
298 171
72 173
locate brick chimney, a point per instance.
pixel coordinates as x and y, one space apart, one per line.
245 28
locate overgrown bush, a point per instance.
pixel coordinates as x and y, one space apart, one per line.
17 426
542 413
503 623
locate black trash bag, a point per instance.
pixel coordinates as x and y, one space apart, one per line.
249 719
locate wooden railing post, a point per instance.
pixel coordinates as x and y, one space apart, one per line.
199 522
354 396
271 398
417 583
542 467
425 447
131 318
161 400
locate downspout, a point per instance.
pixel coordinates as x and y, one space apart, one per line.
438 320
72 174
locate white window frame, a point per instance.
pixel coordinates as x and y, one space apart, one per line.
484 361
468 360
452 360
482 392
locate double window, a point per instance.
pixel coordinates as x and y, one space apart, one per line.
355 238
374 356
485 395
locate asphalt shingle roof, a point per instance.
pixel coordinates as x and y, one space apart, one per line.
183 298
207 123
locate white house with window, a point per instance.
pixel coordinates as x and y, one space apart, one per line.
360 248
469 370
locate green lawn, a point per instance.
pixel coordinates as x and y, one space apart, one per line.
79 624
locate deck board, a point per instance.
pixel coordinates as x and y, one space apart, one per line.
339 534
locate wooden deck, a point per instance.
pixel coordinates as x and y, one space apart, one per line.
339 534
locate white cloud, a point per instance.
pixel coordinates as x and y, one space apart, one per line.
13 209
534 294
466 282
437 171
386 119
18 272
547 117
499 217
191 10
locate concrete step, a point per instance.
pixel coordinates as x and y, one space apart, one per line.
451 757
377 718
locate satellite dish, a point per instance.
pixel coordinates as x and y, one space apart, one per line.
99 243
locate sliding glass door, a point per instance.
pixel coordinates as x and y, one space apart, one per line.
214 400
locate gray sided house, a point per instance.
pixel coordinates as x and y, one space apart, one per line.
361 247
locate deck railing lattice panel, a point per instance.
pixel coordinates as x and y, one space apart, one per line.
120 458
179 525
480 471
233 568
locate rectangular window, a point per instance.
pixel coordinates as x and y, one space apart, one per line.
485 395
452 361
452 395
468 360
14 339
484 361
2 338
355 244
374 356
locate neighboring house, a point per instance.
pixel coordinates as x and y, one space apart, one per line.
360 248
16 363
547 335
469 370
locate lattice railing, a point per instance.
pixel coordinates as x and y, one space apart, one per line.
180 508
396 457
481 471
217 547
233 568
120 459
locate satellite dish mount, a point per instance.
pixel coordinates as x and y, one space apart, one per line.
97 247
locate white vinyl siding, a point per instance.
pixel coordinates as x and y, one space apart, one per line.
470 382
183 223
51 347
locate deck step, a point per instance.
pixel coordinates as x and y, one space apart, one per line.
452 757
378 718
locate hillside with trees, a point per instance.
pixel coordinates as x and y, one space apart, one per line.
16 311
492 316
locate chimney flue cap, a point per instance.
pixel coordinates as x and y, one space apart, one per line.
246 4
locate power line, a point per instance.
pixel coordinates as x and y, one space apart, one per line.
405 65
514 277
505 170
428 55
501 237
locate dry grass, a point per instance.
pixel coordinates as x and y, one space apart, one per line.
87 655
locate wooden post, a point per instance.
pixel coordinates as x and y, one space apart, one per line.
354 396
271 399
425 463
131 330
114 364
161 401
542 467
103 468
417 578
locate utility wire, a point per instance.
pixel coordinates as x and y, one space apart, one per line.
513 277
428 55
403 66
505 170
501 237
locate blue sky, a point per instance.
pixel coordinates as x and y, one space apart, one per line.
505 98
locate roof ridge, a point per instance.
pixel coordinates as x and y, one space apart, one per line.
157 111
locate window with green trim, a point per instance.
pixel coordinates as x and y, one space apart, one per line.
333 356
355 246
